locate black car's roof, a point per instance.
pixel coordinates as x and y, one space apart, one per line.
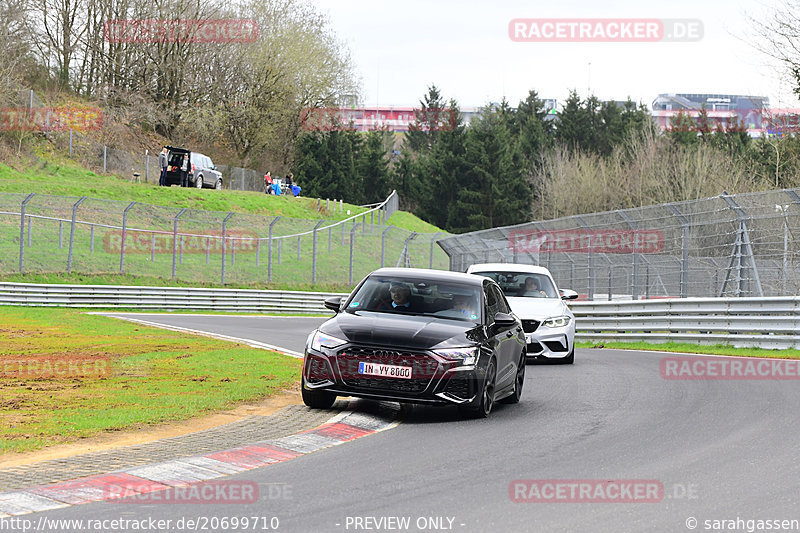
428 274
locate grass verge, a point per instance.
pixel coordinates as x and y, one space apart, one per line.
65 375
678 347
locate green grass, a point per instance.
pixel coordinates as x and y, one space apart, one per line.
155 376
678 347
407 221
55 174
65 178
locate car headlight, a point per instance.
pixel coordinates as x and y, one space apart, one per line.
322 341
465 356
556 321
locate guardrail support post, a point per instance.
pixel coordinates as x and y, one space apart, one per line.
742 253
22 229
91 238
269 250
72 232
208 250
60 234
314 253
124 237
175 240
224 230
30 222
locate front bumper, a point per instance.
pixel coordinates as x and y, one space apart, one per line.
434 380
550 343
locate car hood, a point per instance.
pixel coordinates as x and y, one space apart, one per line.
406 331
538 308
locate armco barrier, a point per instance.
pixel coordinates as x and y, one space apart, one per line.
772 322
762 322
108 296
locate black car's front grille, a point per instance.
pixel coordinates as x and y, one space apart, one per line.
529 326
423 369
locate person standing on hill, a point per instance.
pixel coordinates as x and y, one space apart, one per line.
162 159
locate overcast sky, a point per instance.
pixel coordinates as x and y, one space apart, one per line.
401 46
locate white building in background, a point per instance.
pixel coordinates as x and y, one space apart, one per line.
752 112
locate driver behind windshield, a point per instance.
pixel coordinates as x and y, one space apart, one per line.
532 288
399 298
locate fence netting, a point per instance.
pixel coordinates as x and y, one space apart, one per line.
730 245
45 234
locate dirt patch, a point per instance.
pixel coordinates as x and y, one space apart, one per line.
119 439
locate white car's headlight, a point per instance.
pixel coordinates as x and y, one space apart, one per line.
556 321
322 341
466 356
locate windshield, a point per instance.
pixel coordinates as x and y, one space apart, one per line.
438 299
523 284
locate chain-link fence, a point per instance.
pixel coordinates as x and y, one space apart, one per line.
44 233
730 245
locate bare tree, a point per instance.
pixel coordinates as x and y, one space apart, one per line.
779 37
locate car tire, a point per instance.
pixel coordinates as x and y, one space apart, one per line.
317 399
570 358
218 186
519 381
484 407
198 182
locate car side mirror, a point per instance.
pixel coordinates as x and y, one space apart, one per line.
567 294
334 303
503 321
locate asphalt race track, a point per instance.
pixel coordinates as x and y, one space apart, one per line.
722 450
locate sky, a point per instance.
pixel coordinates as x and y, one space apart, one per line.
401 47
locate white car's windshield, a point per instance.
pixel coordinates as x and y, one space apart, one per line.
523 284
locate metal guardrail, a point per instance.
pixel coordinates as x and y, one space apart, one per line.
772 322
163 298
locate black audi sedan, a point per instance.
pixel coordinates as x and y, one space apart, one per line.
418 336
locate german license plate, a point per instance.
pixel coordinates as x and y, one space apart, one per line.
387 371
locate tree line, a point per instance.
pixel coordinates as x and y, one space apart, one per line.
515 164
